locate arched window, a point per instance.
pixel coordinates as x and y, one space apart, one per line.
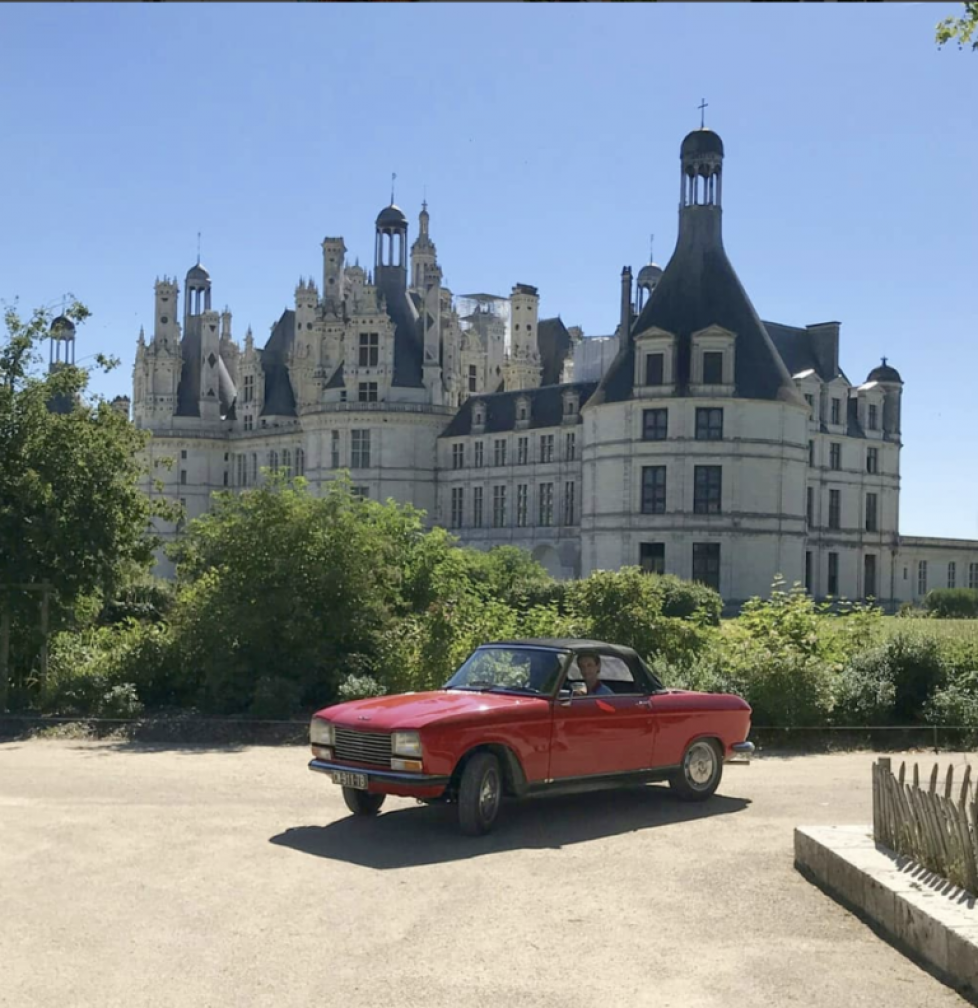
273 461
300 462
242 470
287 462
254 467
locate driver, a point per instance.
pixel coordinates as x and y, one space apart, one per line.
590 665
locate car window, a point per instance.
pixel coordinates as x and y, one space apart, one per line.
509 669
613 670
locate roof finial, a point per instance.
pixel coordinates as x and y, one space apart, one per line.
651 248
393 180
883 359
703 105
198 248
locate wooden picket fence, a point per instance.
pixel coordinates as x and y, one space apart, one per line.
937 830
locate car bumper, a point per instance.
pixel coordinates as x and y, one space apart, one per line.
392 782
741 752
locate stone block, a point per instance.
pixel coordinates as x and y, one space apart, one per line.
962 957
918 925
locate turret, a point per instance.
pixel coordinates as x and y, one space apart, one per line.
390 252
334 252
888 378
522 368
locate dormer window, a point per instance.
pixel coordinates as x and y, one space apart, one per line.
655 367
479 416
572 407
522 411
873 421
712 364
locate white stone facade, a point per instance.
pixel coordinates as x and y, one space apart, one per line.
697 440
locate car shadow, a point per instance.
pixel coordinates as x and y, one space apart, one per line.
409 837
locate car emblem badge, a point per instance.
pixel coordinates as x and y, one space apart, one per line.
363 717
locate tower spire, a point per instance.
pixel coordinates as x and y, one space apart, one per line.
198 248
393 180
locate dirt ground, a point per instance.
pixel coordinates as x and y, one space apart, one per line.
133 875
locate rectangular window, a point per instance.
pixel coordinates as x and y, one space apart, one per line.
546 447
546 495
254 467
367 391
360 491
499 449
242 470
473 377
183 453
183 476
522 496
810 399
249 422
706 564
808 571
874 421
872 509
498 506
973 576
869 575
369 350
709 424
836 411
652 557
477 507
952 574
273 461
570 508
835 455
713 367
335 450
811 453
833 581
653 489
458 497
872 460
225 477
300 462
522 450
655 424
287 462
570 446
458 456
570 406
479 455
654 368
360 449
922 577
707 489
835 509
249 388
810 507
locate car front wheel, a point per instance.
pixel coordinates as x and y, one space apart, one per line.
362 802
700 773
480 794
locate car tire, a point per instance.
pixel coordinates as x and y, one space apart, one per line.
362 802
480 794
700 772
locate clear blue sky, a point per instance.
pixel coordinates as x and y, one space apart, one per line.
548 139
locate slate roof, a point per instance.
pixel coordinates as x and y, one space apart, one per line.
279 396
699 288
553 341
188 391
408 341
546 408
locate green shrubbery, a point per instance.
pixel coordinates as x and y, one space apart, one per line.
286 602
952 603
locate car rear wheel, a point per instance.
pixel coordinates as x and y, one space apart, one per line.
480 794
700 773
362 802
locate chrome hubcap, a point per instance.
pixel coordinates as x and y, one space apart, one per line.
489 794
700 764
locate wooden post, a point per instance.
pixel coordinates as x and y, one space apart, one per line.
4 649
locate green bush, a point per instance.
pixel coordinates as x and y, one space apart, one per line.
274 698
952 603
918 671
359 687
865 691
955 704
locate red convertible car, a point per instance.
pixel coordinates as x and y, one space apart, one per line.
529 717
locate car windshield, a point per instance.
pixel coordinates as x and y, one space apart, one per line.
509 670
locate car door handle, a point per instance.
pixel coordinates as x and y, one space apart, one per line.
644 703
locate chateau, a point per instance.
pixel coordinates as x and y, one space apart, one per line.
698 440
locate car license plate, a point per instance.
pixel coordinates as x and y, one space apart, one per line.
347 779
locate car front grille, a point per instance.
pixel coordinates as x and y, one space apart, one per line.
363 747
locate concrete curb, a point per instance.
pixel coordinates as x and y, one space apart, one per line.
918 911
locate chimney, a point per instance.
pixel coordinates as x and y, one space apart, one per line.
626 304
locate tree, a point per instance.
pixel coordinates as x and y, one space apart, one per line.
72 516
960 29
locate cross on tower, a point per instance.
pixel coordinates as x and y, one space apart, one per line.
198 248
883 359
393 179
703 105
651 246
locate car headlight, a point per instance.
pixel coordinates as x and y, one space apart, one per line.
320 732
406 743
